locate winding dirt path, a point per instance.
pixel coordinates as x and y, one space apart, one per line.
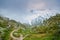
21 35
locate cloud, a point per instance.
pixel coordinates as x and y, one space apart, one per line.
36 5
18 9
12 15
43 13
43 4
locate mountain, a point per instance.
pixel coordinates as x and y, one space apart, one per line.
37 21
40 15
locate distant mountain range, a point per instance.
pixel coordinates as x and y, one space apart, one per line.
42 15
37 21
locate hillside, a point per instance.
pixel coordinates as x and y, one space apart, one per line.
13 30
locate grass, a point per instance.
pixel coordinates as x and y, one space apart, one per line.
39 37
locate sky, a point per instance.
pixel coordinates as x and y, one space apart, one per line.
27 10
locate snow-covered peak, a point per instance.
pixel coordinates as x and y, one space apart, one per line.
45 13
